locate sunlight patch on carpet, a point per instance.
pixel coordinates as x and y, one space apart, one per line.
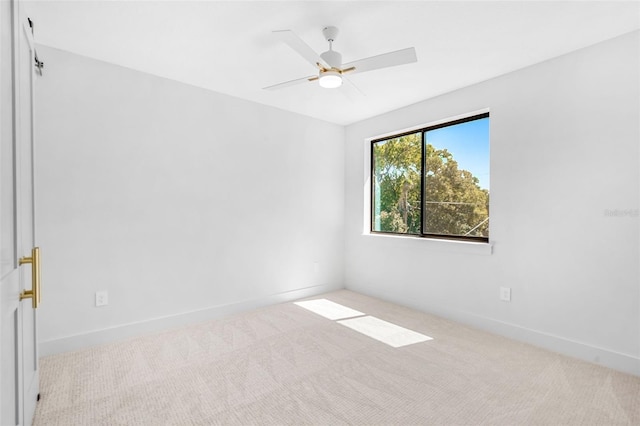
329 309
386 332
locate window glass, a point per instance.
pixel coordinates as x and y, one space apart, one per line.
396 192
456 186
433 182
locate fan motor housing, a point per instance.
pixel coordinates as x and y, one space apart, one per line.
332 58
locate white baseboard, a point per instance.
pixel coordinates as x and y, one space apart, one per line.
124 331
607 358
583 351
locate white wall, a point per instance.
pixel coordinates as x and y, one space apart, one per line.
175 200
564 149
188 204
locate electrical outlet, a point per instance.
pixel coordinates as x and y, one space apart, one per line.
102 298
505 294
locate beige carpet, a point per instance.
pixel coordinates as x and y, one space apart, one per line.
285 365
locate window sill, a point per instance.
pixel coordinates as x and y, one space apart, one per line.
438 244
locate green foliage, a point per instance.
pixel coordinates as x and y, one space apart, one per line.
454 202
397 169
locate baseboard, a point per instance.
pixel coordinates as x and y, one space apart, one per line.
583 351
607 358
124 331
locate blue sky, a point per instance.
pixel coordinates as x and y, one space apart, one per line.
469 144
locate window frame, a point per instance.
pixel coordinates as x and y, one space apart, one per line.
422 131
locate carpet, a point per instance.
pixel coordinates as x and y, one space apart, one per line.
286 365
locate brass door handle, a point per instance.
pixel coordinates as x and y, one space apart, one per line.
34 293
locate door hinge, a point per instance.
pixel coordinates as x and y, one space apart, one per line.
39 64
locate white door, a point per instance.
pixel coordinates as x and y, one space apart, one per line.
27 250
19 257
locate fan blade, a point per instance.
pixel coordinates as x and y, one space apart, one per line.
291 83
352 85
350 90
391 59
303 49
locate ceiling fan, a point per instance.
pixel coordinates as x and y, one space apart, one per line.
329 64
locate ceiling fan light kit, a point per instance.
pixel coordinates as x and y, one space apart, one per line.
329 63
330 79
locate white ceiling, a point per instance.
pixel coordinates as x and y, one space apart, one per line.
227 47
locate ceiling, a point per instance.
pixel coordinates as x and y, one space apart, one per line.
228 47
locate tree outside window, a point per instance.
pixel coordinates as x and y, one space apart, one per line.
433 182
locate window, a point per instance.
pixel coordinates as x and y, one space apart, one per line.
433 182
